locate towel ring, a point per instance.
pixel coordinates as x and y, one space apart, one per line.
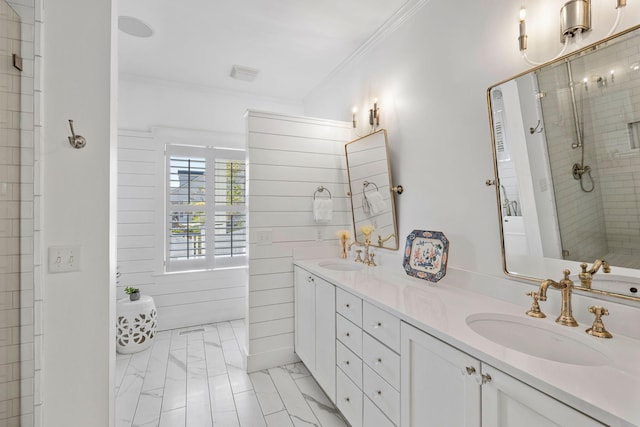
320 190
365 184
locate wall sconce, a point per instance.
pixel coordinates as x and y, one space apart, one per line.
374 114
575 19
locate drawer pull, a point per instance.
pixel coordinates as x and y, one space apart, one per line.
470 370
377 325
310 279
348 334
378 361
483 379
348 305
346 362
347 399
377 394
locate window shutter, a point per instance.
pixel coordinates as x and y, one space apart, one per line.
230 199
206 199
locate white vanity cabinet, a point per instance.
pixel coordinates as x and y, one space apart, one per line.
315 307
443 386
368 374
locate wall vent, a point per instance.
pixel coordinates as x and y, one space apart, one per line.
246 74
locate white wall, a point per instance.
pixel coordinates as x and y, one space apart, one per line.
78 208
289 158
431 77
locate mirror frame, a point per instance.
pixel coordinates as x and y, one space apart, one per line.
496 178
374 243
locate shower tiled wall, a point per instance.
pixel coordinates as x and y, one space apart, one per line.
10 336
580 214
607 104
20 303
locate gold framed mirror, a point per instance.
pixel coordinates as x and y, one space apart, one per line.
566 153
371 189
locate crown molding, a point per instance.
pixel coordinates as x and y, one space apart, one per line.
410 8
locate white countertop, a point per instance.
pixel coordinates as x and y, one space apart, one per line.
609 393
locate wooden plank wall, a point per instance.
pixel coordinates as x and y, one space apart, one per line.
289 157
182 299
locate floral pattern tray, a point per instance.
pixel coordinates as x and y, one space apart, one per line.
425 255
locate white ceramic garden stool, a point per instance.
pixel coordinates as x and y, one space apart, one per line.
135 324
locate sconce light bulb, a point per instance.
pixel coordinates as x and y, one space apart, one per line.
585 80
354 110
611 72
522 38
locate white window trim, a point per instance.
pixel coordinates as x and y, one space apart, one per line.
219 144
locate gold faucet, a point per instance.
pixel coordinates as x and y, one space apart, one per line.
566 286
586 275
381 240
368 256
597 329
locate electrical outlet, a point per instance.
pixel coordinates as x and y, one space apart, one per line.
63 259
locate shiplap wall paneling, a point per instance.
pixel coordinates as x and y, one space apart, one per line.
289 158
182 299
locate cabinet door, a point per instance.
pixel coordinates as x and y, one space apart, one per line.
325 344
305 314
439 384
509 402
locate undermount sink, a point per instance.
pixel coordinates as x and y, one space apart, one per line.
340 266
522 335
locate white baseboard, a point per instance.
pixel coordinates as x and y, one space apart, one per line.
271 359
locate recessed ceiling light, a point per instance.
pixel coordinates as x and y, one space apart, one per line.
134 27
246 74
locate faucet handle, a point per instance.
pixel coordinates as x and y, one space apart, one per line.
535 311
597 329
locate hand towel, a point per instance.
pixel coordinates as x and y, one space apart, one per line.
376 203
322 210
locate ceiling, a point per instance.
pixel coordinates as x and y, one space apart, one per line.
294 44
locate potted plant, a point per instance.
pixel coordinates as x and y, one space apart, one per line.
134 293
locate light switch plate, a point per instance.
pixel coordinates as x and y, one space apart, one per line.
265 237
63 259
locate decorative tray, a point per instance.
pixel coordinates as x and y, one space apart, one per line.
425 255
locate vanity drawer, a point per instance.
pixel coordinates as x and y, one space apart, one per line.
349 305
382 360
374 417
381 325
349 363
349 335
385 397
349 399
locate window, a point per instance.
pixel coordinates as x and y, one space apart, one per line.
206 215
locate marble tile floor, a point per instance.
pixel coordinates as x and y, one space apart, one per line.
195 377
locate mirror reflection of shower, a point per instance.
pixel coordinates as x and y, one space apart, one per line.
508 183
579 170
